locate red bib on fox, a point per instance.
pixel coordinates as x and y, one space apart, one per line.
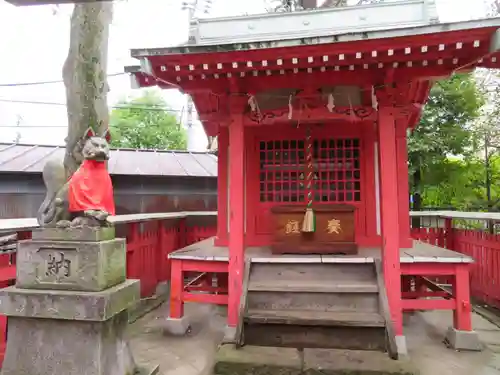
90 188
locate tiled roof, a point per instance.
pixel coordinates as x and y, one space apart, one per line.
32 158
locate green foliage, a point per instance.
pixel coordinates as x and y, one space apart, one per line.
444 128
461 184
146 122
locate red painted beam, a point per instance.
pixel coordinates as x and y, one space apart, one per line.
416 57
216 299
297 80
273 117
428 269
407 295
204 266
428 304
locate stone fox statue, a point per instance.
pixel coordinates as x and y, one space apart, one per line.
86 199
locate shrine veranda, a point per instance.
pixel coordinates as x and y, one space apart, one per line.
355 96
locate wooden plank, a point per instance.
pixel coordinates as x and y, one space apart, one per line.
25 224
422 252
313 287
240 338
315 318
326 302
203 250
386 312
320 278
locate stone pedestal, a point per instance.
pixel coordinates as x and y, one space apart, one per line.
67 313
463 340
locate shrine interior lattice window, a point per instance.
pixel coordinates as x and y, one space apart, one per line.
336 166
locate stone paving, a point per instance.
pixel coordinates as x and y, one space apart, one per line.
194 354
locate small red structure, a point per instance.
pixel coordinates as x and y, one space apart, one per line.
308 118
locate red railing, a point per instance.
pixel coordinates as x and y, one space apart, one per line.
452 230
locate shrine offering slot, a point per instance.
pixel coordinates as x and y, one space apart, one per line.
336 163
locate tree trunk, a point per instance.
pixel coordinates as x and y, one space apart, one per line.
85 76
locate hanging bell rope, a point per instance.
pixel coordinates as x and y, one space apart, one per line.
309 223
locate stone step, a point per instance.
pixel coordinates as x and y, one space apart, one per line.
315 318
310 336
307 301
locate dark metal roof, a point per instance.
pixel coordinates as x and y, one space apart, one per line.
31 159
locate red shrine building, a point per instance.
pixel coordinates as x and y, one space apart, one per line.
312 111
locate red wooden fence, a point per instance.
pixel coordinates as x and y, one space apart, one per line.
483 247
150 238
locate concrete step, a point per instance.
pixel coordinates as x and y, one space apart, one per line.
308 336
315 318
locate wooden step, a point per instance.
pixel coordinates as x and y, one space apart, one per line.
314 278
312 286
348 302
315 318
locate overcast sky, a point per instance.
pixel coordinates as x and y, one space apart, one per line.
34 44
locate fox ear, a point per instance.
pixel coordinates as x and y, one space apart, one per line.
89 133
107 135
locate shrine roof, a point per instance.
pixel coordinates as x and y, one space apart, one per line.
284 41
24 158
446 46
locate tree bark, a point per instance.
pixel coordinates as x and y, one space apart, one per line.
334 3
85 76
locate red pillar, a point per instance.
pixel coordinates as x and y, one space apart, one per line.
389 213
222 187
236 214
403 191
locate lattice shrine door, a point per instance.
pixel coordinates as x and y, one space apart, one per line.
276 173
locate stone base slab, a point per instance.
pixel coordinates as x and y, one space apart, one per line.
229 335
401 346
141 370
177 327
463 340
60 347
71 265
69 305
290 361
84 234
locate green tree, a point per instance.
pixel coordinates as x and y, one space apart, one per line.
444 130
146 122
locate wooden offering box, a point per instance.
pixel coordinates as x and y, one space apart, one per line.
334 232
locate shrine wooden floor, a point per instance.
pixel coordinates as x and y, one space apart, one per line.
421 252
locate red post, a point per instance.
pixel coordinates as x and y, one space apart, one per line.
176 290
448 227
133 237
182 233
236 214
403 191
461 291
161 261
390 213
222 187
